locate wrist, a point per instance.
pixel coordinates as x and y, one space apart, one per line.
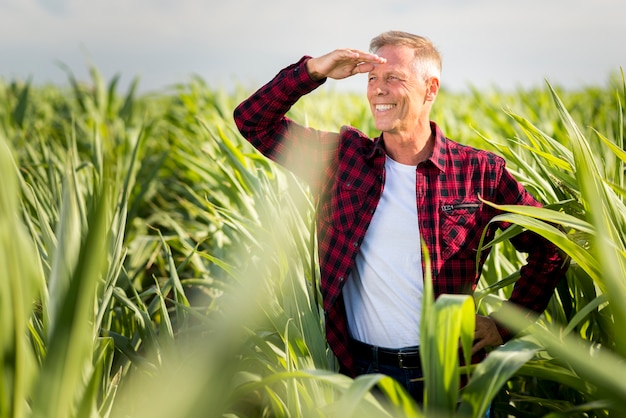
505 333
312 71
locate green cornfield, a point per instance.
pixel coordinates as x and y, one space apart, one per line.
153 264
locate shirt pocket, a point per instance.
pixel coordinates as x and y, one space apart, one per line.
344 207
460 228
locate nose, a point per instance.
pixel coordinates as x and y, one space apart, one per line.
377 88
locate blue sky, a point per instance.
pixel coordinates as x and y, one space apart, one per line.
227 42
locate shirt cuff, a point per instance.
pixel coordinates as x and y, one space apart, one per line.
302 78
504 332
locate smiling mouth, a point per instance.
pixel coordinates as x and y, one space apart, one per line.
384 108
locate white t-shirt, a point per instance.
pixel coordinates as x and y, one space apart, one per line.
383 295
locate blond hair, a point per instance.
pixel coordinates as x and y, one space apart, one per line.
427 61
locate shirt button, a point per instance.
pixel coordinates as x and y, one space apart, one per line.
341 279
355 244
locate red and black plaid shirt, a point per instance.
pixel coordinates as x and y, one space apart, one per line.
346 173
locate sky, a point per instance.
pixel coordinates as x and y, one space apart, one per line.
484 43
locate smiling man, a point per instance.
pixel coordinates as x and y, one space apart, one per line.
379 197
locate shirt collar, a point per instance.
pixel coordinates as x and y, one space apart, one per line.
378 148
437 157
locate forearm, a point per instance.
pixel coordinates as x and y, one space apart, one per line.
261 118
539 278
545 264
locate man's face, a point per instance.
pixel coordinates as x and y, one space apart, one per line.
397 96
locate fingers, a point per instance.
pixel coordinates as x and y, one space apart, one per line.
486 334
342 63
364 61
363 57
478 345
363 67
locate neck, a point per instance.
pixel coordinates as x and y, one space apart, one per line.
409 150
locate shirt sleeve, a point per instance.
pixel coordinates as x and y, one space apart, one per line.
545 265
261 120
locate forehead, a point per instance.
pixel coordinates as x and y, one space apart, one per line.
397 52
399 58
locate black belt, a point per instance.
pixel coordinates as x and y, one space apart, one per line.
404 358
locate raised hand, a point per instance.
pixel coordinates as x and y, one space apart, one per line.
342 63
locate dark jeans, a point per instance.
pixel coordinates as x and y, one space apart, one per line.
409 378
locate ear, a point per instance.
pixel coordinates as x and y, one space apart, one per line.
432 88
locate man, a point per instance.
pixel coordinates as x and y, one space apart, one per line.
377 197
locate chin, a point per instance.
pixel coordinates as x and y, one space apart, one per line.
382 127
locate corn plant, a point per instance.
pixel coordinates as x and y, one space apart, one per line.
154 264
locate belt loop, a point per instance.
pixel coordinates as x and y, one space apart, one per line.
375 355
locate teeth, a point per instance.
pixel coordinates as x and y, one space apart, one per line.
382 108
